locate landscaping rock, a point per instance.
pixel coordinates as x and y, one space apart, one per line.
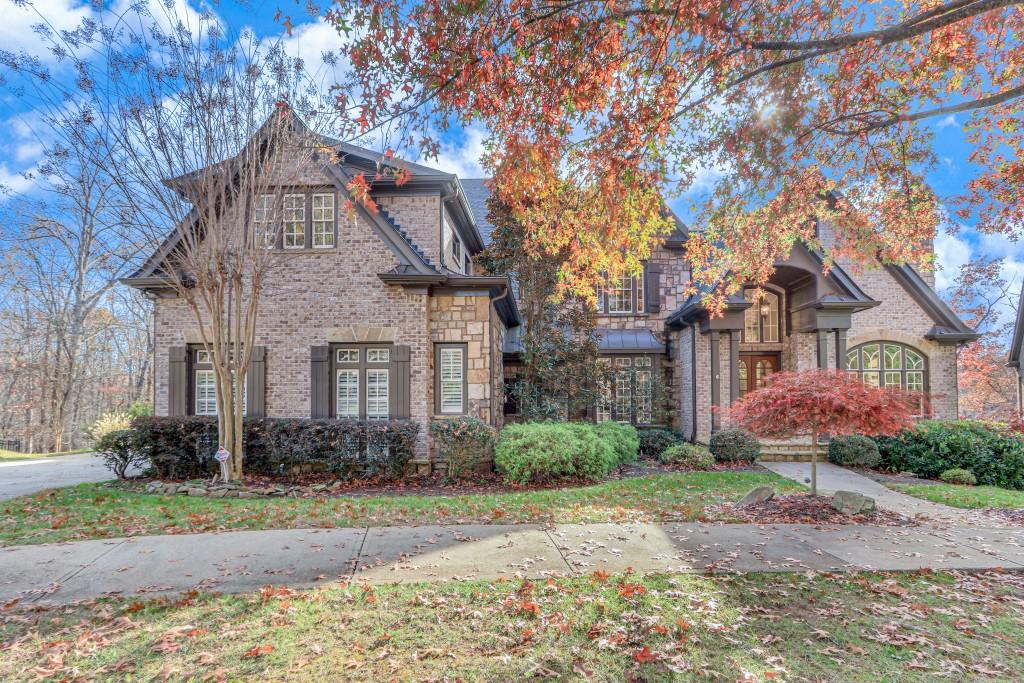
852 503
246 494
762 494
195 491
154 486
218 493
170 489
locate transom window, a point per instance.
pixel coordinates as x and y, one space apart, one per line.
888 364
761 321
294 216
629 396
623 295
323 221
362 383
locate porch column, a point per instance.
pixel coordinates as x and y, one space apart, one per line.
734 366
822 348
840 349
716 381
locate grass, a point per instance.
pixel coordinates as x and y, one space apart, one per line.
97 511
856 628
964 496
12 455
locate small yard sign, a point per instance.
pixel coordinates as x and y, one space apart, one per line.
223 456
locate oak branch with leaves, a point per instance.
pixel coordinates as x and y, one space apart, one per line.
815 402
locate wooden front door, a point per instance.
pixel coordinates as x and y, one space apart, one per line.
755 369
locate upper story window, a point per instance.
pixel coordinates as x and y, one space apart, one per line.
624 295
454 254
303 220
761 321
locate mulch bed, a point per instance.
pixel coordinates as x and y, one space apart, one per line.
803 508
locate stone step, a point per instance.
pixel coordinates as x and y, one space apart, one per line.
786 457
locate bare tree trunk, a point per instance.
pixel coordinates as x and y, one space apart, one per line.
814 462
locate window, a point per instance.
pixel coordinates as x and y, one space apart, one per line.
629 395
263 220
450 388
453 256
362 382
294 217
624 295
889 365
761 321
323 221
204 385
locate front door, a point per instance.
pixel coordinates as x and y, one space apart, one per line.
755 369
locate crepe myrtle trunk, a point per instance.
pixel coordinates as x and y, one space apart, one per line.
814 461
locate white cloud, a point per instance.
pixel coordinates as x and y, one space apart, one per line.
463 159
16 31
14 182
311 42
951 253
947 122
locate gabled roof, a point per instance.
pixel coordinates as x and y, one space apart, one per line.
948 327
1018 334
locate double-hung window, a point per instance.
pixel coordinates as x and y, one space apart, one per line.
623 295
263 220
323 221
204 384
450 388
362 382
294 221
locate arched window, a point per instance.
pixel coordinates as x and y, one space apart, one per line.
761 321
889 364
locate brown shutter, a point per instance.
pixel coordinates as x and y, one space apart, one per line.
653 287
255 382
177 382
398 371
320 381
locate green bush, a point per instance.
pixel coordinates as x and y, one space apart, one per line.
541 452
690 455
117 448
183 447
623 438
653 442
734 445
465 442
958 476
992 452
853 451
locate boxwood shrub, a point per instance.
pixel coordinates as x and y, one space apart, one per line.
654 441
183 447
734 445
543 452
623 438
958 476
691 455
853 451
992 452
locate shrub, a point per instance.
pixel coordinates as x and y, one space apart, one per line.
623 438
548 451
108 423
117 448
465 442
853 451
994 454
140 409
183 447
653 442
734 445
690 455
959 476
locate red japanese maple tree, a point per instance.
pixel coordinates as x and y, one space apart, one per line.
813 402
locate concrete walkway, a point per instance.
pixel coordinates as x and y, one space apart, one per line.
22 477
246 560
832 478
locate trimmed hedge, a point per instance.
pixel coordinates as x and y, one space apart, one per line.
958 476
542 452
690 455
994 454
853 451
734 445
183 447
623 438
654 441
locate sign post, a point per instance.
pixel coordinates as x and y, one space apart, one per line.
222 455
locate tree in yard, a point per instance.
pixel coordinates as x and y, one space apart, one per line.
816 402
197 127
790 112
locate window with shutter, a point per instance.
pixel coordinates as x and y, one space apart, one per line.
362 382
451 379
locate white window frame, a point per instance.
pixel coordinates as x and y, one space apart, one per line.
324 225
452 374
290 216
263 220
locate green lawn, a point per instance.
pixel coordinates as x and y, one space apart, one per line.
11 455
96 511
964 496
760 627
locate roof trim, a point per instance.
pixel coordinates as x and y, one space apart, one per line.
1018 335
948 326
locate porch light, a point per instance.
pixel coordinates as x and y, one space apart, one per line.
765 309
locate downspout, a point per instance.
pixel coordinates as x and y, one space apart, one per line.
693 386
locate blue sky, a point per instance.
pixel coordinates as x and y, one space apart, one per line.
461 149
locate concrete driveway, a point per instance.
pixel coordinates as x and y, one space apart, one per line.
21 477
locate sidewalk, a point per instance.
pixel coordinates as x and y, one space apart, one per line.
246 560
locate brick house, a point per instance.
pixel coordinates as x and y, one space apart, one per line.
384 315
